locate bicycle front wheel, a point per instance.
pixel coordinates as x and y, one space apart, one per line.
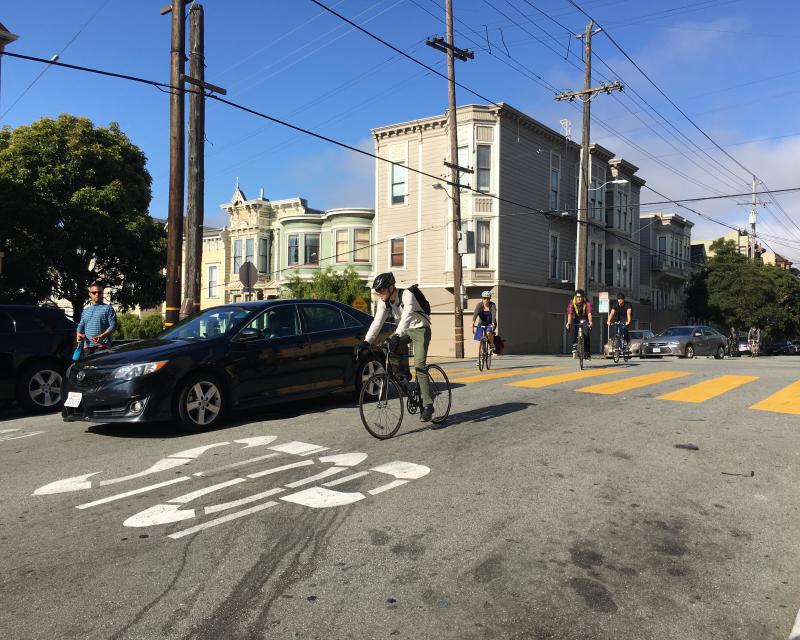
381 406
579 350
440 392
482 355
488 356
617 349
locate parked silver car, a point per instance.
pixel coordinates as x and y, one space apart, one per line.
686 342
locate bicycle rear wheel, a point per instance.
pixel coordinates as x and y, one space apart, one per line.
440 392
488 356
381 406
579 349
617 349
482 355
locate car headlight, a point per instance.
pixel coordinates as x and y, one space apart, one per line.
674 343
130 371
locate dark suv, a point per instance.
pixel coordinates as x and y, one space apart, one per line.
36 345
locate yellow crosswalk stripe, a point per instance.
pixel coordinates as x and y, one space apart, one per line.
504 373
618 386
787 400
707 389
547 381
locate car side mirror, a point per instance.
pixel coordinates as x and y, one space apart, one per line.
248 335
698 334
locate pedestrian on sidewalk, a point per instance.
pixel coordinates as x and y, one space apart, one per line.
98 322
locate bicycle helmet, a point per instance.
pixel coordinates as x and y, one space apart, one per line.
383 281
486 294
581 293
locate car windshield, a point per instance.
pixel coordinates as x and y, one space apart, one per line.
635 335
676 331
209 324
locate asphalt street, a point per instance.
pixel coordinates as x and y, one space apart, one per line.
553 504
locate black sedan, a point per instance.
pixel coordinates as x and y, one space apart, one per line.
236 355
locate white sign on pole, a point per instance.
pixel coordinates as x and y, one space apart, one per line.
603 295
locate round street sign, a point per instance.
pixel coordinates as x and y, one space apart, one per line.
360 304
248 274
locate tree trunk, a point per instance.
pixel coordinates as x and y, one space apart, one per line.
77 309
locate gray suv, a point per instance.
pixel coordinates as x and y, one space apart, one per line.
686 341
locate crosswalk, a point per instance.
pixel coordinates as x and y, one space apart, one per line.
695 391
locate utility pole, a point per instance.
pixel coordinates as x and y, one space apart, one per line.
584 178
176 163
197 117
453 52
751 234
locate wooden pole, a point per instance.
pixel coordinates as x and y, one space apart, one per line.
195 169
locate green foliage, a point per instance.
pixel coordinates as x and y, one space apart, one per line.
73 209
735 292
131 327
328 284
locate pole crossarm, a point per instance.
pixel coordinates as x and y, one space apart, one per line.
606 87
204 85
442 45
453 165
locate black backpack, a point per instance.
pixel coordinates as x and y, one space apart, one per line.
421 299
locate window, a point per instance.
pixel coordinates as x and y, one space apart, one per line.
250 252
293 254
553 256
600 262
263 255
6 324
341 245
399 182
618 281
398 252
624 281
623 207
321 317
595 200
630 271
362 249
484 167
482 230
592 260
609 266
278 322
463 161
237 256
311 248
213 280
350 321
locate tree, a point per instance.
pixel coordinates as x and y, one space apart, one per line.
344 286
73 209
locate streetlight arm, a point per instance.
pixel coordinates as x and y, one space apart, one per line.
609 182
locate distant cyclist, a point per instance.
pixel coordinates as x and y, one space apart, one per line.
413 326
581 310
754 339
733 343
622 312
485 315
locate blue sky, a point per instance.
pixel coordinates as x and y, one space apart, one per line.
729 64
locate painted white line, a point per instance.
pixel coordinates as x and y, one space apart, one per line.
76 483
795 633
188 497
159 514
237 503
260 474
209 472
257 441
320 498
298 448
196 452
134 492
386 487
345 459
162 465
352 476
223 519
24 435
324 474
9 430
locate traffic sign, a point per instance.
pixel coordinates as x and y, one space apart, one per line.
603 295
360 304
248 274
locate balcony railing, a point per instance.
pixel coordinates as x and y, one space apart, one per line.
661 262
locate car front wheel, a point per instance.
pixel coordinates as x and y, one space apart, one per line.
40 387
720 352
689 351
201 403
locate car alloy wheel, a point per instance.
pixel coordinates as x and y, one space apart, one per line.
201 402
689 351
369 368
41 388
720 352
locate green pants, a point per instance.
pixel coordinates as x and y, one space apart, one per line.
420 338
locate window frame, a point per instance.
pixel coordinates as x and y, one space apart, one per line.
306 260
249 250
393 253
212 284
367 247
483 173
237 255
289 238
398 200
481 223
553 268
319 305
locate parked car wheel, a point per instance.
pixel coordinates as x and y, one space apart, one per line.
689 353
201 402
720 352
368 367
40 387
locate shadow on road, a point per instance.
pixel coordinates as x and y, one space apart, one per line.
483 414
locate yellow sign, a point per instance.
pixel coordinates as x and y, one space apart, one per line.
360 304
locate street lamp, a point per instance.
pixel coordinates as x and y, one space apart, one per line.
621 181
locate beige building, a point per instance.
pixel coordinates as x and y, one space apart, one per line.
525 257
766 256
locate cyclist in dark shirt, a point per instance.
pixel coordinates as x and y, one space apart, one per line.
623 312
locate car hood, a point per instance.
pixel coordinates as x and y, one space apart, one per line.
145 351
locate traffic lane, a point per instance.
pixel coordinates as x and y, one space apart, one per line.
508 529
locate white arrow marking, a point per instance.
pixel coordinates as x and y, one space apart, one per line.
161 465
257 441
403 470
159 514
298 448
267 472
9 430
119 496
66 485
221 520
345 459
197 451
386 487
321 498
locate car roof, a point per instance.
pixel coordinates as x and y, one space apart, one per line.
264 304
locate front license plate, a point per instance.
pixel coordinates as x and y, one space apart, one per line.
73 399
656 350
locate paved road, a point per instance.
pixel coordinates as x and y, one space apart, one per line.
551 506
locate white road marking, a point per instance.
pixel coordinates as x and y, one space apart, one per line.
321 498
188 497
386 487
257 441
266 472
162 465
208 472
223 519
352 476
22 435
134 492
324 474
76 483
345 459
795 633
403 470
9 430
159 514
237 503
196 452
299 448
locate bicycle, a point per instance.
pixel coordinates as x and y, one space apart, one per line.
620 344
380 403
484 351
733 347
755 345
579 347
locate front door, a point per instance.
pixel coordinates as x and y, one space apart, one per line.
331 342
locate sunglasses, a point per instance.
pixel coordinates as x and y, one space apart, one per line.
94 293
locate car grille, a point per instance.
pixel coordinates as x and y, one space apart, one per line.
656 344
92 378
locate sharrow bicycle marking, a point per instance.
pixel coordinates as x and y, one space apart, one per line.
216 508
299 448
707 389
134 492
293 465
538 383
221 520
506 373
233 465
787 400
352 476
636 382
